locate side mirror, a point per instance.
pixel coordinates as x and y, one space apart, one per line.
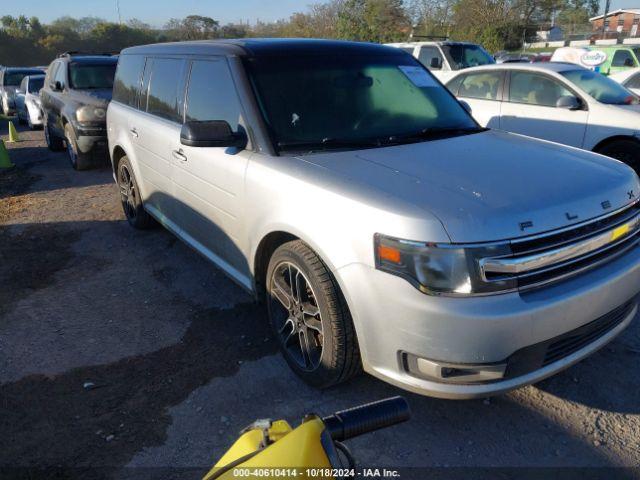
213 133
466 106
57 86
569 102
436 63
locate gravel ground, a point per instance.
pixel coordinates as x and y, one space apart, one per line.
122 352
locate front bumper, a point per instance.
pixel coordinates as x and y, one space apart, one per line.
395 321
92 140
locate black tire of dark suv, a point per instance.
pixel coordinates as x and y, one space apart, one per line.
78 159
55 144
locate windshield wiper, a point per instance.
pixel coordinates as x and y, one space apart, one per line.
435 132
330 143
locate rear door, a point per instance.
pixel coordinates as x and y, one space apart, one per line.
530 109
483 92
209 181
155 132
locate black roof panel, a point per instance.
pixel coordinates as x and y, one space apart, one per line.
265 47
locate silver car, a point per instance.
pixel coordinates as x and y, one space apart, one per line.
385 230
10 79
27 98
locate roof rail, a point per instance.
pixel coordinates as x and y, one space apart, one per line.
441 38
86 54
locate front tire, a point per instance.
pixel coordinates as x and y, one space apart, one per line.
78 159
55 144
627 151
310 318
132 205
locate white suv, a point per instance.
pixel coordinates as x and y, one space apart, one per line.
445 58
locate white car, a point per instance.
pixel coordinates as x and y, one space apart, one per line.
445 58
629 78
28 106
559 102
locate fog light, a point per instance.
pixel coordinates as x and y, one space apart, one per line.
454 373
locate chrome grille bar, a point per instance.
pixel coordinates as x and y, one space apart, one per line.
549 258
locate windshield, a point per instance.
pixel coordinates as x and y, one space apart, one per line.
36 84
465 56
347 102
86 76
14 78
602 88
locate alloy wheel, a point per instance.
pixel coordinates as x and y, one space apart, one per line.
128 192
296 316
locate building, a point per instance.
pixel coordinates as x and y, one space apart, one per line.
551 34
623 21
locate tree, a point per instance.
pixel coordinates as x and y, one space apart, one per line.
193 27
372 20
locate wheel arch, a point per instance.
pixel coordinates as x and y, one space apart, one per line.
609 140
264 251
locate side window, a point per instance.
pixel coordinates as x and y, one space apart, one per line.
60 74
634 81
430 57
126 85
454 84
622 58
164 87
409 50
535 89
51 73
483 85
212 93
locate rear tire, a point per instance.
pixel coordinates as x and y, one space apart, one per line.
54 143
78 160
310 318
627 151
132 205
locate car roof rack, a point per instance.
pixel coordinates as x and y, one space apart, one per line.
440 38
86 54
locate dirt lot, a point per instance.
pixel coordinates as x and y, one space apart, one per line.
122 352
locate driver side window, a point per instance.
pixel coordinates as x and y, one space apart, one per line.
535 89
622 58
60 75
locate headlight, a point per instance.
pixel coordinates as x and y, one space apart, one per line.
438 269
89 114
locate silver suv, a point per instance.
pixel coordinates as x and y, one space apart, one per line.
383 228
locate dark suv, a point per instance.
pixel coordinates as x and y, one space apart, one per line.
76 93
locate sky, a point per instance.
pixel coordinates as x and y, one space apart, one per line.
157 12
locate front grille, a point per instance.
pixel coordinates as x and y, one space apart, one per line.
549 270
534 357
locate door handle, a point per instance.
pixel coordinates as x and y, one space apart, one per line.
178 155
134 132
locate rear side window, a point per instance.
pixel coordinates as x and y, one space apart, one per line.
164 85
128 76
483 85
622 58
212 94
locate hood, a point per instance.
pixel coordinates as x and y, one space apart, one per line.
99 97
493 185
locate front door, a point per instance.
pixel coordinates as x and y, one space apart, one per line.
531 110
209 181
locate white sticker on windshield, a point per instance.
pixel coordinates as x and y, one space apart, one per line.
418 76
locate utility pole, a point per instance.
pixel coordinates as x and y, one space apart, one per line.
118 10
604 18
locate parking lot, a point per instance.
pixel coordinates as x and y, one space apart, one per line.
125 350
